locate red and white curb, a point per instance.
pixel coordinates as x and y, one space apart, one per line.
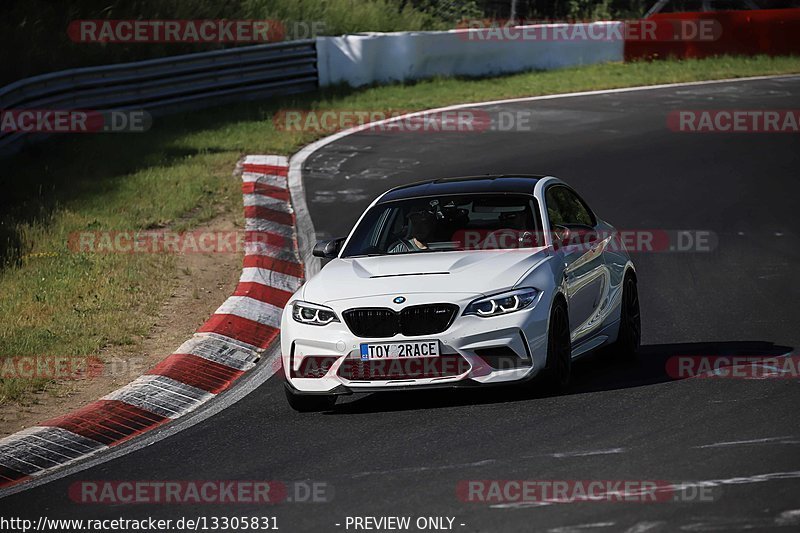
222 350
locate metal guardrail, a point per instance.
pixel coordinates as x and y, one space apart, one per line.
166 85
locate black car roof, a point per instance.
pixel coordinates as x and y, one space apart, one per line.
494 183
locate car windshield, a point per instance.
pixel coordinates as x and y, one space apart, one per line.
447 223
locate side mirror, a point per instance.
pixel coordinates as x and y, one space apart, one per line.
328 249
561 236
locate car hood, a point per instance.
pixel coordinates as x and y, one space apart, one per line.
470 272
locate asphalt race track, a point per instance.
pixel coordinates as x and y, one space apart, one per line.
404 454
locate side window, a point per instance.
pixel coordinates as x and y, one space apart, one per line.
552 199
565 208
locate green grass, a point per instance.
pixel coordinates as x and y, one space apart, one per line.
177 175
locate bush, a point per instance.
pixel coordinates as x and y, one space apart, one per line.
33 33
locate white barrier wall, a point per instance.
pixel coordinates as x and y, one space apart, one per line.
368 58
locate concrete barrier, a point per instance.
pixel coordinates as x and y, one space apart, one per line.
377 58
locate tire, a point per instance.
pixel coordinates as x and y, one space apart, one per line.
630 322
310 403
559 350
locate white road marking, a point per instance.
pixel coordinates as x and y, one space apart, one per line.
788 518
765 440
581 527
611 451
412 469
641 527
740 523
672 488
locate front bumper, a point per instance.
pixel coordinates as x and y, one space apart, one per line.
494 350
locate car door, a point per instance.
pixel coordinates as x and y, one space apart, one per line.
585 273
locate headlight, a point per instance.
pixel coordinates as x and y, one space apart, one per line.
313 314
501 304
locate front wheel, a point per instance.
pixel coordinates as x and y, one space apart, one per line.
630 321
310 403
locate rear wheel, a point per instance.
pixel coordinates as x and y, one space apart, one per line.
559 349
630 321
309 403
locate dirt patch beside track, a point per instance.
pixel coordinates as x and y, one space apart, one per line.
201 283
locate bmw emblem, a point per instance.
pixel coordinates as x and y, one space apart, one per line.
399 300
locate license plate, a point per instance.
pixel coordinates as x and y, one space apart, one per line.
399 350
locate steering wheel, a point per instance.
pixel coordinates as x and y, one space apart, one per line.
501 237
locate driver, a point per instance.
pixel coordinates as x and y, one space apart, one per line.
421 225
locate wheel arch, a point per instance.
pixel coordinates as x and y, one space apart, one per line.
630 270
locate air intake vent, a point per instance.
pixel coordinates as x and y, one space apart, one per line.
426 319
369 322
502 358
412 321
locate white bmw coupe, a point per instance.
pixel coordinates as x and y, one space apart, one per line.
456 282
